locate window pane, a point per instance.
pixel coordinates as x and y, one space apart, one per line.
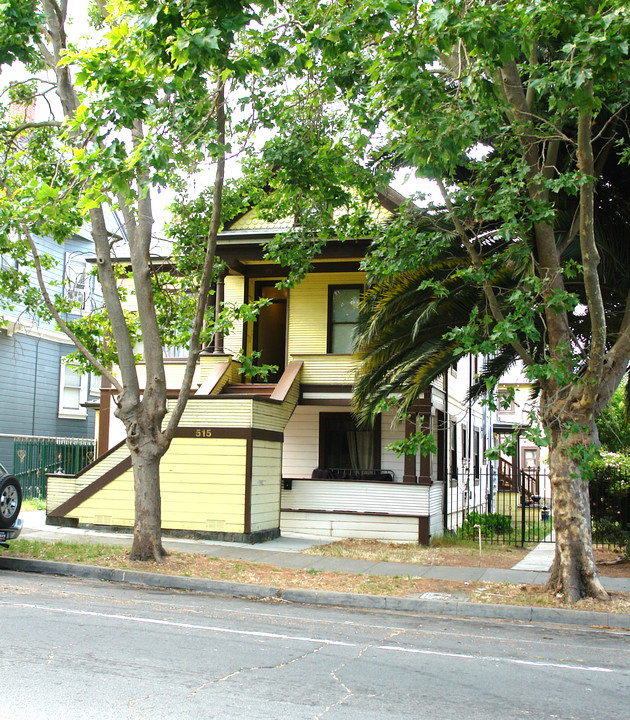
345 305
342 338
70 377
71 398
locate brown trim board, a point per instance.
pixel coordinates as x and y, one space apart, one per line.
249 458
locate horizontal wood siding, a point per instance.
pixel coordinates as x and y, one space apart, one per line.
337 526
174 375
113 505
272 416
202 488
29 388
223 412
327 369
266 477
390 434
62 488
300 452
203 485
359 497
308 311
436 519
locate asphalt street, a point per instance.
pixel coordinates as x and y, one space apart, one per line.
84 649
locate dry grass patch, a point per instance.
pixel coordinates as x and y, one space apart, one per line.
537 596
443 552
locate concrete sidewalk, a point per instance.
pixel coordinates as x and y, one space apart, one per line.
285 552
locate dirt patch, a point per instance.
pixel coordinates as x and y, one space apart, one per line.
537 596
452 555
612 564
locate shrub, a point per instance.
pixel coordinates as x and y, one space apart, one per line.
489 523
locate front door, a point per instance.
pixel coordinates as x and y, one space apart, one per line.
270 330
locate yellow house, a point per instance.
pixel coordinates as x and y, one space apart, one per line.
252 459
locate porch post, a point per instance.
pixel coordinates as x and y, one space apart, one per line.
424 475
219 297
409 472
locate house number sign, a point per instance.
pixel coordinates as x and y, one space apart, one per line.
203 433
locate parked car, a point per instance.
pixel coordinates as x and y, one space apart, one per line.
10 505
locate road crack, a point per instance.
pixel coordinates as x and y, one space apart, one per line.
347 690
255 668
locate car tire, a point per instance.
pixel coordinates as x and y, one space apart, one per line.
10 500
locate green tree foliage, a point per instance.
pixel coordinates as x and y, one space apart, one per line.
133 109
518 112
613 425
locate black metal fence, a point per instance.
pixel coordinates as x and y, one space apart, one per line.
610 508
507 508
34 457
517 508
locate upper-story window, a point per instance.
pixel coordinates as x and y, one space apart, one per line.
343 313
72 392
76 283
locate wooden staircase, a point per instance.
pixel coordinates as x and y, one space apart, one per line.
249 389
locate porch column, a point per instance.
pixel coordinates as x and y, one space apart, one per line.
409 472
424 474
219 297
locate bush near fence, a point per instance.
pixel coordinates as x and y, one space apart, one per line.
610 508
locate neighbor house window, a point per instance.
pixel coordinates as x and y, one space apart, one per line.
76 280
72 392
343 313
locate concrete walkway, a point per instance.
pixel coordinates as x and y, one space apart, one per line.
285 552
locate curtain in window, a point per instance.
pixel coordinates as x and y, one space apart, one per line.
361 446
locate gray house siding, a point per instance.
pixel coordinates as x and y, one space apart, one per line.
30 364
29 393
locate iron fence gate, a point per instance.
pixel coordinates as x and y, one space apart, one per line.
34 457
501 505
517 507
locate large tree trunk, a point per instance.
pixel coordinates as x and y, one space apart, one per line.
147 446
574 572
147 531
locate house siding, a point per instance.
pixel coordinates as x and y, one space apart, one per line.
29 393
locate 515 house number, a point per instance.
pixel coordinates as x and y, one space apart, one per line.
203 433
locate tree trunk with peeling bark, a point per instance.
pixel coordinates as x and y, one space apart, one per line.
574 571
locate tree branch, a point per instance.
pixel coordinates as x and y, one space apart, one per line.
495 308
208 266
590 255
60 321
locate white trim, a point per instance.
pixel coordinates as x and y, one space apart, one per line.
326 396
14 324
71 413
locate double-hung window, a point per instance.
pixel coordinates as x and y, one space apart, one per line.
76 282
72 392
343 313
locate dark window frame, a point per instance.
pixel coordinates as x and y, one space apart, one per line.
329 319
339 416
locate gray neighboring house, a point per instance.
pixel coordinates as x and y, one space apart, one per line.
40 396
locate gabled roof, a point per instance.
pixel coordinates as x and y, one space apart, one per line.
249 226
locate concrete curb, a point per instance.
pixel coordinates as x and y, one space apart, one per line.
522 613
